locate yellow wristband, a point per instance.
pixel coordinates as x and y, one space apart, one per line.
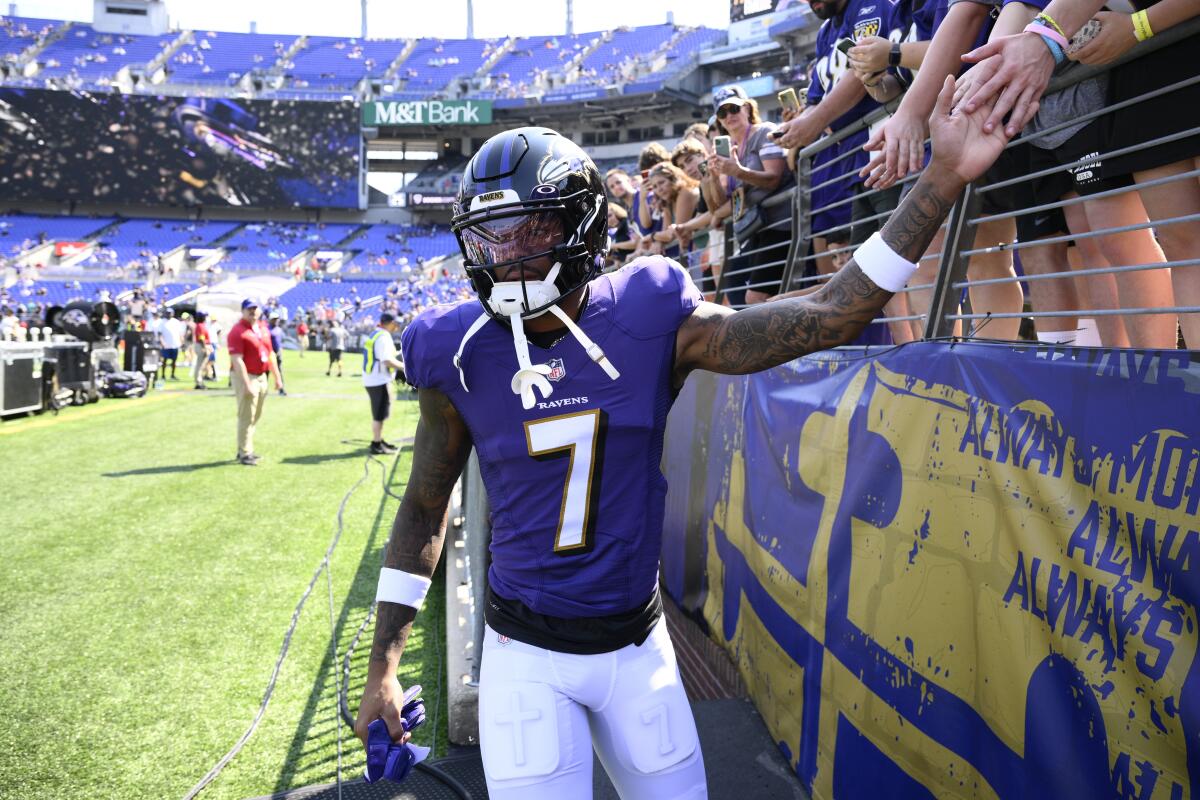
1141 26
1053 24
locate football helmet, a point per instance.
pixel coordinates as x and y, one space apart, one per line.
530 194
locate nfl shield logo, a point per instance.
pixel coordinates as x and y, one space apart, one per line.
557 370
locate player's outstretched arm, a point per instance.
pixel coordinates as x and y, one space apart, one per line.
717 339
440 450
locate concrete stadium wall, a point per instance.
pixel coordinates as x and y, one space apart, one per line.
961 570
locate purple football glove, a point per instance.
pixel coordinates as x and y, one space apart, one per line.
385 758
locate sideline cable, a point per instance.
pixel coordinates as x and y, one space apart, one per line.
287 641
337 678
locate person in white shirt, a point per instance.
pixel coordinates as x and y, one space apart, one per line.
380 362
8 325
170 334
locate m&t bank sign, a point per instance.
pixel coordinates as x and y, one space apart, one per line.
427 112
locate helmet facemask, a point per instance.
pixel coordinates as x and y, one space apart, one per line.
502 240
501 247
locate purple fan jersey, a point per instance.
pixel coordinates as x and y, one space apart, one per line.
574 483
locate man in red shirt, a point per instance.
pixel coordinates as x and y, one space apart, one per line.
251 358
200 341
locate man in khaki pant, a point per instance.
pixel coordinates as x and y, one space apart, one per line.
251 358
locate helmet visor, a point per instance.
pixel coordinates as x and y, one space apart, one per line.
509 239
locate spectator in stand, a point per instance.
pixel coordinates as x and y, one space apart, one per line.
200 346
648 213
757 166
901 151
337 338
1173 113
250 359
621 241
1105 207
276 330
679 196
704 228
380 364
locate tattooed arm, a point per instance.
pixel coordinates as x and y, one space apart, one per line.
440 450
717 339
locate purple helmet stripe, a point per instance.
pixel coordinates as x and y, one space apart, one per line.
507 157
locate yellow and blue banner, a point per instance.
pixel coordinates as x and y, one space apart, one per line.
953 570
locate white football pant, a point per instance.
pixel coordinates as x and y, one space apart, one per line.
541 712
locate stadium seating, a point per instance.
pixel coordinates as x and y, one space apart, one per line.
58 293
324 65
17 33
531 59
269 245
20 231
339 294
331 62
91 55
433 63
603 66
225 57
143 239
385 247
687 44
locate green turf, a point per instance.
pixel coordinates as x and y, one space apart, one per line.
147 581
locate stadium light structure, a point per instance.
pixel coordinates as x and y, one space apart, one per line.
570 17
364 19
470 20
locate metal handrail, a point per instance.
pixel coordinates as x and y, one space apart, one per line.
954 255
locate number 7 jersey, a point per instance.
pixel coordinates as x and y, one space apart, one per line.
575 484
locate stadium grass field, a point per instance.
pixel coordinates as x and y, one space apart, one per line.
147 582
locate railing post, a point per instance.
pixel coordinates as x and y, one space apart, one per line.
729 242
952 267
801 221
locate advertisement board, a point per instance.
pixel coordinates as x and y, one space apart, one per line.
186 151
427 112
953 570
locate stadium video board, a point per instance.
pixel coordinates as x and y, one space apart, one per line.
742 9
186 151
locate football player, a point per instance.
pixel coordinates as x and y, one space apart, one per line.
561 378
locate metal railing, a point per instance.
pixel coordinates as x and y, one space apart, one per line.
943 304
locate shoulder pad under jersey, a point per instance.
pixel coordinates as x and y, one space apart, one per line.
652 296
430 341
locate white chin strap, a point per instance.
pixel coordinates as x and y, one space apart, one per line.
508 298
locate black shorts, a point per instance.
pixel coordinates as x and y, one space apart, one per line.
1014 162
381 401
1160 116
334 356
1086 179
170 354
771 245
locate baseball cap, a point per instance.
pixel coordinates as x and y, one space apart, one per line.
249 302
729 95
386 317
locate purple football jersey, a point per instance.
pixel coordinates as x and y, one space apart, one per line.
574 483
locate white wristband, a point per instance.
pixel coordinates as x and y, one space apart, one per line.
396 586
882 265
